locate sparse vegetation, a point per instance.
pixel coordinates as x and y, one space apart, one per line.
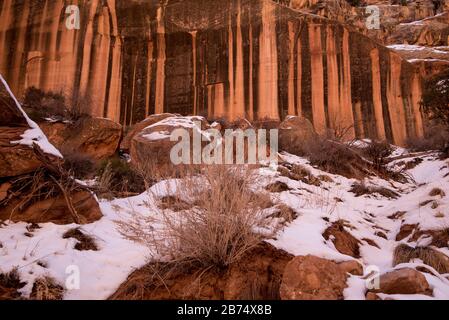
116 177
214 233
39 104
335 157
436 138
10 283
360 189
377 152
46 288
435 104
437 260
85 242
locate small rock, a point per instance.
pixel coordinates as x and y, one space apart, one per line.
351 267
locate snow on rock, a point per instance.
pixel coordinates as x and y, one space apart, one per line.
34 134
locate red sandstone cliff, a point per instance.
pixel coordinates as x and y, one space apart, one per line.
232 58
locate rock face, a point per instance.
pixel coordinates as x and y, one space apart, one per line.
312 278
236 59
416 22
97 138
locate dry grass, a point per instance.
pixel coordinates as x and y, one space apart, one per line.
47 288
117 178
431 257
221 226
9 285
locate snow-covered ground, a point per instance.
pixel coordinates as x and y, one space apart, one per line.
102 271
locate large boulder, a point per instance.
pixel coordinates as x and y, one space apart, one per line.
294 132
54 209
256 276
33 185
152 145
313 278
403 281
15 158
97 138
17 136
138 127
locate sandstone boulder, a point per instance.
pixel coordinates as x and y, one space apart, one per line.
15 158
257 276
312 278
55 210
295 131
138 127
33 185
98 138
343 241
153 146
17 135
351 267
403 281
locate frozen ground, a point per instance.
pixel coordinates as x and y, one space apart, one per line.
102 271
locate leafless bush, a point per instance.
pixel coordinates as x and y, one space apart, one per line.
377 152
224 222
116 177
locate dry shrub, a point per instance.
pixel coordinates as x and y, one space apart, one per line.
47 288
436 138
437 260
40 104
116 177
337 158
85 242
378 152
224 222
9 285
50 180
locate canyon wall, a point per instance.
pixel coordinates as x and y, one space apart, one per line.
227 58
